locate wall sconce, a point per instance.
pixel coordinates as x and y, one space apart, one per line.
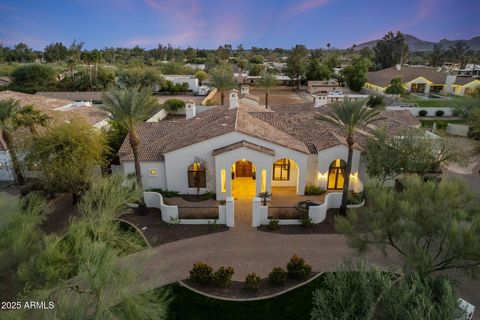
152 172
322 176
354 176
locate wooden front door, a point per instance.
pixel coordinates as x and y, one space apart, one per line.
243 169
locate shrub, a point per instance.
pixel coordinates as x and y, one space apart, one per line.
165 193
252 282
31 186
209 195
273 224
201 273
306 221
375 101
312 190
422 113
455 113
223 277
173 105
439 113
354 198
277 276
297 268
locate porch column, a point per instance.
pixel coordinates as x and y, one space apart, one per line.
258 180
268 182
228 180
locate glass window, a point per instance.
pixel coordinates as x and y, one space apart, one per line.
281 170
197 177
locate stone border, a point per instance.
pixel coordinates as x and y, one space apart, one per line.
183 284
136 228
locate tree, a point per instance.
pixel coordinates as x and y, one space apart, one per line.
201 76
267 82
297 64
255 69
355 75
55 52
141 77
375 101
94 283
222 79
395 87
317 71
459 52
33 77
348 116
66 154
128 108
409 152
392 49
437 55
331 60
22 53
434 227
8 109
364 292
27 117
173 105
469 109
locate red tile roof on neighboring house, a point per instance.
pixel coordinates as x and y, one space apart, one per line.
293 126
383 77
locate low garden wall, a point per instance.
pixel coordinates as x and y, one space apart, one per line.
170 213
431 111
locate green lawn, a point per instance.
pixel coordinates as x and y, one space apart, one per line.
296 304
433 103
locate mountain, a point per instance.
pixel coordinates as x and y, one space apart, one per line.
415 44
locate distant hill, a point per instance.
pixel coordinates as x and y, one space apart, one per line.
415 44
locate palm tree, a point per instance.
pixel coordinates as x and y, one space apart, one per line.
222 79
267 81
8 109
349 116
30 118
128 108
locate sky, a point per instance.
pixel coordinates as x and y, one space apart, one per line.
210 23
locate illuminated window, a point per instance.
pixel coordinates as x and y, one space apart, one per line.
223 176
264 180
336 174
152 172
197 177
281 170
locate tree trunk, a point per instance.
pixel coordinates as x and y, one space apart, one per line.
348 170
13 156
266 99
134 142
222 97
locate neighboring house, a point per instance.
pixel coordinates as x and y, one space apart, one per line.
471 70
323 99
421 79
191 80
54 107
324 86
226 149
245 78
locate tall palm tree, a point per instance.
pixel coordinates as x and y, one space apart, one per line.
8 109
30 118
222 79
128 108
349 116
267 82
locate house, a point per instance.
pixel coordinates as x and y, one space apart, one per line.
54 107
324 86
470 70
191 80
422 79
323 99
242 147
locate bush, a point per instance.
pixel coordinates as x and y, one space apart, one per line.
375 101
439 113
165 193
252 282
277 276
312 190
223 277
173 105
354 198
422 113
209 195
306 221
297 268
201 273
455 113
31 186
273 224
33 77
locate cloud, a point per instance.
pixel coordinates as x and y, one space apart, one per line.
303 6
177 39
425 9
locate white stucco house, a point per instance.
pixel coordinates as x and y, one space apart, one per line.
251 148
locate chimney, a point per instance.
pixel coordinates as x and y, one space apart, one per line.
319 101
190 109
398 66
233 99
449 81
244 89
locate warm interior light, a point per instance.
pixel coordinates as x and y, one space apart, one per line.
152 172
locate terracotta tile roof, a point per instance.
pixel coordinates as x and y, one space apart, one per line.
250 96
294 127
242 144
73 95
383 77
39 102
463 80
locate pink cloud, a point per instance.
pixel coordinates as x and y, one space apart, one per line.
303 6
425 8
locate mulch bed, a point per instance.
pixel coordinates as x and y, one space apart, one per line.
326 227
237 291
62 209
159 232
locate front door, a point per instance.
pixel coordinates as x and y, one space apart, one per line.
243 169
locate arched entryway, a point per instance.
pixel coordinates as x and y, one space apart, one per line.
336 175
285 177
243 175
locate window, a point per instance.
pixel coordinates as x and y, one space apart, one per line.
152 172
336 174
281 170
197 177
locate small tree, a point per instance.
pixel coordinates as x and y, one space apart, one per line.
434 227
222 79
297 64
375 101
264 196
267 82
317 71
355 75
201 76
33 77
395 87
173 105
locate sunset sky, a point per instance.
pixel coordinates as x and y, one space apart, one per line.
210 23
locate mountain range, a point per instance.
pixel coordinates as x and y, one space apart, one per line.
415 44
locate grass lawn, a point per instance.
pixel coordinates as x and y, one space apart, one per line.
295 304
433 103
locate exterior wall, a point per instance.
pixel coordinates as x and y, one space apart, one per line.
374 88
294 173
327 156
419 80
448 112
149 182
6 170
192 82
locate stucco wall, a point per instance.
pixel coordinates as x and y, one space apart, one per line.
6 170
327 156
148 181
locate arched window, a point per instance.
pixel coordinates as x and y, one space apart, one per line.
336 174
197 177
281 170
